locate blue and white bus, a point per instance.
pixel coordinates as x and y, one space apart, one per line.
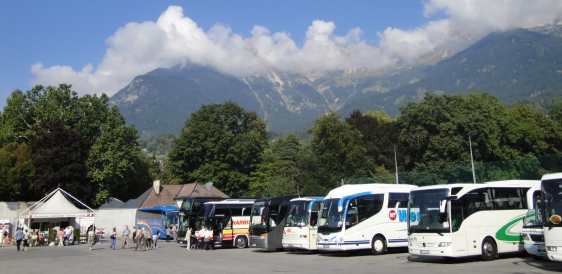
157 218
364 217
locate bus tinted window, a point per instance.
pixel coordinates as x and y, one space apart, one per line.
394 198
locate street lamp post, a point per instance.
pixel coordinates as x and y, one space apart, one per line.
471 157
396 164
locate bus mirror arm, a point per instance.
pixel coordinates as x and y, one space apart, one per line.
443 203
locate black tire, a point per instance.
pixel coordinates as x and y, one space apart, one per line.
241 242
489 249
378 246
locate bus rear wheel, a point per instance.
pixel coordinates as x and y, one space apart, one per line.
378 246
489 249
241 242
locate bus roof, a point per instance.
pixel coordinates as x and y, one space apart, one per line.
347 190
552 176
232 201
160 208
466 187
307 198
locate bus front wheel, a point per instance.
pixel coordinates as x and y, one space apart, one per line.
241 242
489 249
378 246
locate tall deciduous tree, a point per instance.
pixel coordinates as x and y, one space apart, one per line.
337 150
17 172
221 143
24 112
116 165
59 155
379 137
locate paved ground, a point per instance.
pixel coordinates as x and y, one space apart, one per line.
172 257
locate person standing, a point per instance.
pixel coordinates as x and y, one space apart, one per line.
168 230
139 239
3 234
202 237
91 234
208 239
113 238
135 229
174 233
125 236
60 235
188 238
19 237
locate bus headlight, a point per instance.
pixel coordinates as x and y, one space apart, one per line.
444 244
303 236
551 248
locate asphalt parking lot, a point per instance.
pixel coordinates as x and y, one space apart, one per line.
173 257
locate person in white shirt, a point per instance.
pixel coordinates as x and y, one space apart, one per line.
208 240
2 237
201 237
188 238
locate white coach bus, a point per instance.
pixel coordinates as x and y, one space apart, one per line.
364 216
458 220
301 228
551 198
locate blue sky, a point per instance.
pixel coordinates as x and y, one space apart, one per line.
100 46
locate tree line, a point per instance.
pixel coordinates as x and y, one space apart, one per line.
51 137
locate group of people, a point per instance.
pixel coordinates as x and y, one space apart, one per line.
26 238
143 238
203 239
65 237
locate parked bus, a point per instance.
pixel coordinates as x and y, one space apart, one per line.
230 220
267 222
533 232
301 228
157 218
189 212
364 217
551 210
459 220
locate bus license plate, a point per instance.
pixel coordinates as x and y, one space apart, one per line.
424 251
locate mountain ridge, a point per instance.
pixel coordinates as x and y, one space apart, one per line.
513 65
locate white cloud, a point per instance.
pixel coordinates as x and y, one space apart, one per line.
138 48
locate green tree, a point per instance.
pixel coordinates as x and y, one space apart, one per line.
17 172
337 150
24 112
221 143
379 137
59 155
116 165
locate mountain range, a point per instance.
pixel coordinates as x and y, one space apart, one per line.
515 65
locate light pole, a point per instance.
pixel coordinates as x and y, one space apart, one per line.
396 165
471 157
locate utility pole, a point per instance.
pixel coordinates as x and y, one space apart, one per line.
471 157
395 164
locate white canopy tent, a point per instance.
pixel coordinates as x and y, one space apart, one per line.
57 205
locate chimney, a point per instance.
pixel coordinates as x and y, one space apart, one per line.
156 186
208 186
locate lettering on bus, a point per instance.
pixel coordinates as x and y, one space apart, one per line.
241 222
402 215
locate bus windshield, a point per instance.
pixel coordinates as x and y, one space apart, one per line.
258 218
423 208
298 214
552 192
331 219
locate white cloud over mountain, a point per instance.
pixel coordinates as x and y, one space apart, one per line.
138 48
